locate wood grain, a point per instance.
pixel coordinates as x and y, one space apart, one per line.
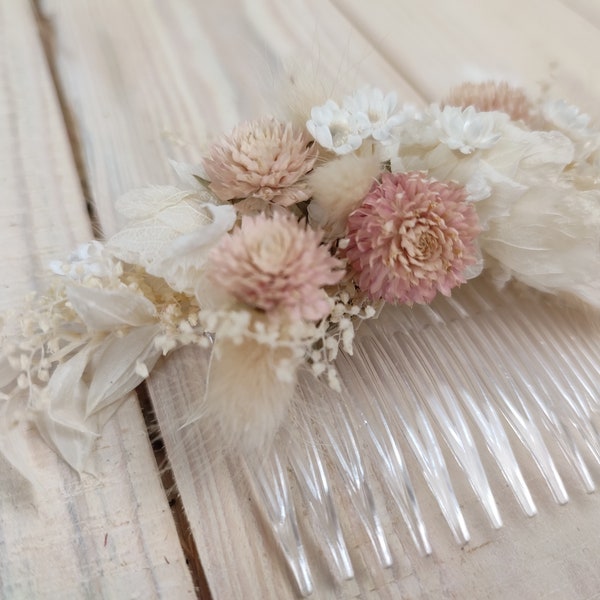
148 81
542 45
105 536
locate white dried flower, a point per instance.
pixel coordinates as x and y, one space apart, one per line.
566 117
466 129
90 260
373 113
366 113
334 128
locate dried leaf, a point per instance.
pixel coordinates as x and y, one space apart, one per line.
103 310
114 366
175 237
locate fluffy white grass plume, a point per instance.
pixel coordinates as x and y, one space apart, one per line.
300 86
244 402
550 240
338 187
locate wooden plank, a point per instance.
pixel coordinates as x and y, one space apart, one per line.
105 536
587 9
148 81
435 44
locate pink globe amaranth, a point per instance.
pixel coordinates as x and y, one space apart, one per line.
411 238
277 265
492 96
263 159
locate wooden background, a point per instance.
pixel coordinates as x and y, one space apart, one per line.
95 97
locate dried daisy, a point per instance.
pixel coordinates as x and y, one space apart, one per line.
264 159
411 238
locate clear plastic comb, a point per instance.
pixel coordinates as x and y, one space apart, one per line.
481 372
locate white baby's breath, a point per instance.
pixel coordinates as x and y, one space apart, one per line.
90 261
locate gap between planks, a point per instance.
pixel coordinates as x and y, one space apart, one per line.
48 40
184 531
186 540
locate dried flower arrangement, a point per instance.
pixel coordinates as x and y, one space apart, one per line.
285 238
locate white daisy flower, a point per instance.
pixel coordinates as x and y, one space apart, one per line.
373 113
334 128
567 117
466 129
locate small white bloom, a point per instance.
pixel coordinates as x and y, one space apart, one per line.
567 118
466 129
88 260
333 128
367 113
373 113
577 126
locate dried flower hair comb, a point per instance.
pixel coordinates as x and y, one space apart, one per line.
289 235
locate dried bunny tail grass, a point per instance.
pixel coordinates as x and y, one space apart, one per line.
492 96
302 84
244 404
338 187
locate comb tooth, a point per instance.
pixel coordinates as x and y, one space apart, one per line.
576 391
387 455
336 429
402 408
560 405
271 487
306 461
440 399
511 399
579 361
468 386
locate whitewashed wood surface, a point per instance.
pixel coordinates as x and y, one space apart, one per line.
120 87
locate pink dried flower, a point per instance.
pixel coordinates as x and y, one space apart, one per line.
277 265
411 238
490 96
265 159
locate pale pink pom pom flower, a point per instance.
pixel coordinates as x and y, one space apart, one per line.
491 96
263 159
411 238
277 265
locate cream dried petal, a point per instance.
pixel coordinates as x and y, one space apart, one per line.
14 442
103 310
114 366
174 239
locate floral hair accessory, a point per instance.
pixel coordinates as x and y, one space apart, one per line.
285 238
